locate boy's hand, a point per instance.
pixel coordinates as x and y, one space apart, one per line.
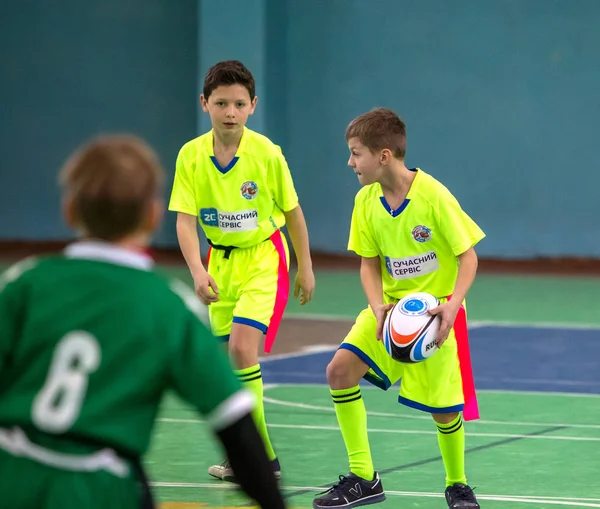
447 312
206 288
380 313
305 281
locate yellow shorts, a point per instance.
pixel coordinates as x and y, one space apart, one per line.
248 283
434 385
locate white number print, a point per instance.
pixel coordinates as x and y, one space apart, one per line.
57 405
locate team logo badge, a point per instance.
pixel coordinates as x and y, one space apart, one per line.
249 190
421 233
415 307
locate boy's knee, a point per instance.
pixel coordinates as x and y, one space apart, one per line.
244 342
445 418
242 356
345 370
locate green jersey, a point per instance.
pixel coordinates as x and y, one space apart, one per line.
90 341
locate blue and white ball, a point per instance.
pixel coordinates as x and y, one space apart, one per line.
409 331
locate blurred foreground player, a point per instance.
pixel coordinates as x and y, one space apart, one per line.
91 339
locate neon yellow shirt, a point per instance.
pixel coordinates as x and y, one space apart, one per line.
419 242
242 204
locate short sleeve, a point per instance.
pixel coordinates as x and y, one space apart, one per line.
183 198
281 183
459 230
361 240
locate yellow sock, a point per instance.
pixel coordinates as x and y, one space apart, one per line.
252 380
352 419
451 438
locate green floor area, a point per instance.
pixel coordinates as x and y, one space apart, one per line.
515 462
502 298
516 456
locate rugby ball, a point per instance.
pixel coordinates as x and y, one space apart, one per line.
409 331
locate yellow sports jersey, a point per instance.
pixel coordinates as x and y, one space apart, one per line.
242 204
417 243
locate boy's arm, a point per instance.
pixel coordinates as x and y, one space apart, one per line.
285 197
246 452
467 268
370 277
298 231
11 307
187 235
461 233
189 243
183 201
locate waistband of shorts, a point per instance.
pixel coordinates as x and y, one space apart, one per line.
229 249
16 442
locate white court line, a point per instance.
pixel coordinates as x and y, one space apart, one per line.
301 377
401 431
534 325
546 381
320 348
370 387
534 393
428 418
307 350
526 499
472 324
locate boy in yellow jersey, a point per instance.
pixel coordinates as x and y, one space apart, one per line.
237 185
412 235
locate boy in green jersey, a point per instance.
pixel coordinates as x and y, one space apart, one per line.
91 339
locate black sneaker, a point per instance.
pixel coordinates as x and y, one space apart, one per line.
276 468
351 491
460 495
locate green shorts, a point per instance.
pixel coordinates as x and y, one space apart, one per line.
434 385
27 484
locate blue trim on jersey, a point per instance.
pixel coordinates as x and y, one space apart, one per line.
227 168
430 409
252 323
383 382
224 338
398 211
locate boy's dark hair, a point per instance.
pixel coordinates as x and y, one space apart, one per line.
378 129
228 72
112 182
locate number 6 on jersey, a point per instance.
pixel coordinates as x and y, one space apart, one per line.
57 405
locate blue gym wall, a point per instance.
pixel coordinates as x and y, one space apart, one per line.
500 100
76 68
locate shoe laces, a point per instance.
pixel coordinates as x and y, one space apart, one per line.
463 492
337 487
